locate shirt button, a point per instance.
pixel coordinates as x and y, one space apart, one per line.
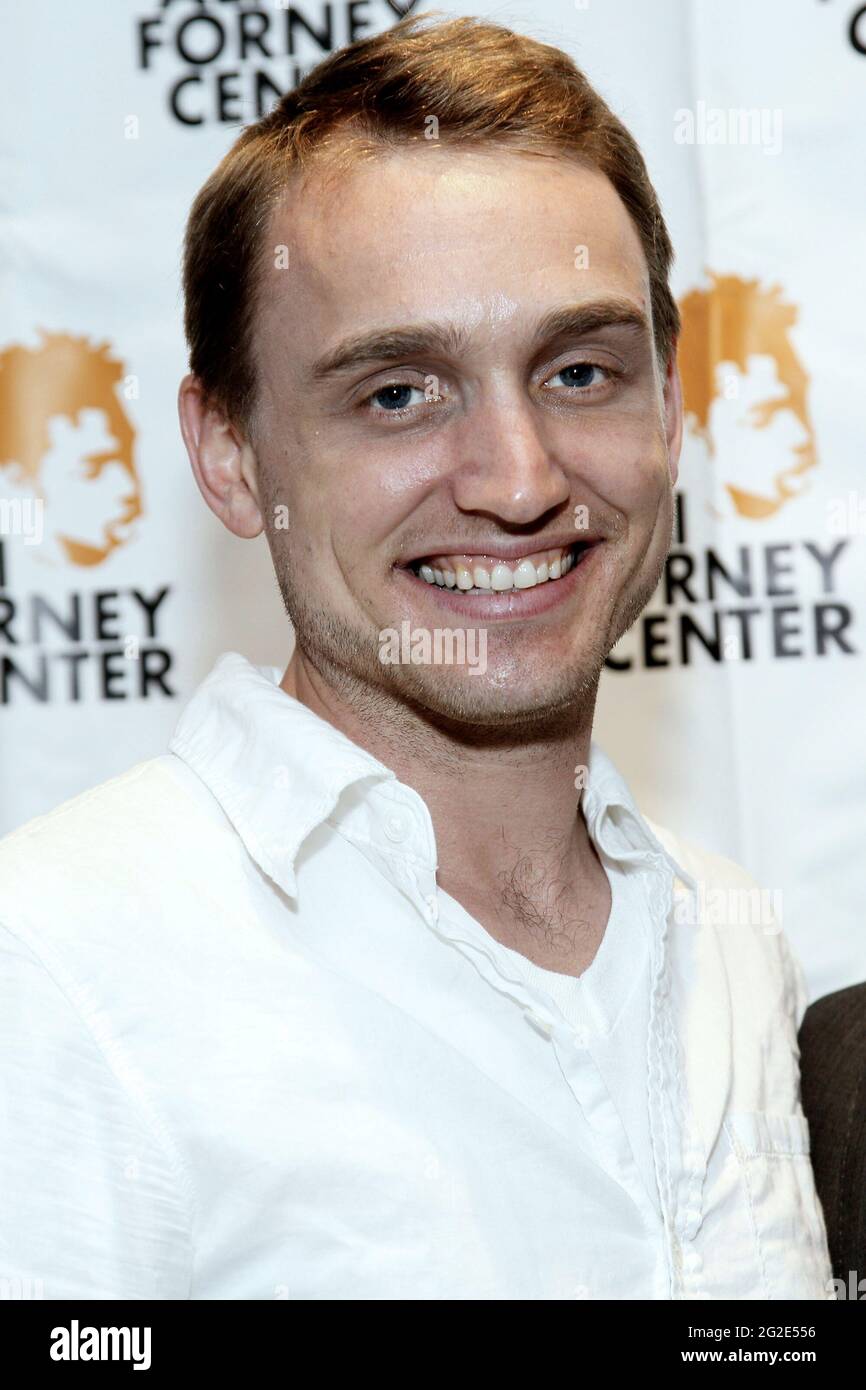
581 1037
541 1024
396 827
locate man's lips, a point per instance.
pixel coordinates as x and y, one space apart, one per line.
524 600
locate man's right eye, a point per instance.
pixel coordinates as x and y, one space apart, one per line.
395 397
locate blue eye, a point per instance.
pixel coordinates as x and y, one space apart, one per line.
396 397
578 373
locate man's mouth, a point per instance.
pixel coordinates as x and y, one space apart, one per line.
480 574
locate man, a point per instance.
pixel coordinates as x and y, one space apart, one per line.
833 1067
378 984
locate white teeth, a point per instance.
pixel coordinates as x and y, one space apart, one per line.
525 576
501 578
461 572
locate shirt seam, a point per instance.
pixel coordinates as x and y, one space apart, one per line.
37 824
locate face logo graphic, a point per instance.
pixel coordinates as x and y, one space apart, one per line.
66 439
745 390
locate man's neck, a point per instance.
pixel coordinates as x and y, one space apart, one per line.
512 845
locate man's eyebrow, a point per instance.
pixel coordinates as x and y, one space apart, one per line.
392 344
389 345
576 320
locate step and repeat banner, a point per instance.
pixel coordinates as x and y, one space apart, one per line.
735 706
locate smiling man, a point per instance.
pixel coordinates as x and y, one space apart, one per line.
378 984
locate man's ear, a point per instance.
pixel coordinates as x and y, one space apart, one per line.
223 463
673 408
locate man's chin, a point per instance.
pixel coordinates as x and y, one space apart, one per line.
496 698
473 678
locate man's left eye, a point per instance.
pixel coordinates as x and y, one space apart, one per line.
580 374
397 396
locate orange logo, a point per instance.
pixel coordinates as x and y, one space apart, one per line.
744 391
65 437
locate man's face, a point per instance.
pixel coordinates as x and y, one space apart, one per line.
470 452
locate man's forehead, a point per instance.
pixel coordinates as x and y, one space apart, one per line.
483 240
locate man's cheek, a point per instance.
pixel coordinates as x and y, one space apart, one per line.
635 487
625 453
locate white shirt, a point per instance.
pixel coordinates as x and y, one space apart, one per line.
594 1004
249 1050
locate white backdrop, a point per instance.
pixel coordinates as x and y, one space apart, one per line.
738 714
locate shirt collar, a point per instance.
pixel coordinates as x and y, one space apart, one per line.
276 768
607 799
278 771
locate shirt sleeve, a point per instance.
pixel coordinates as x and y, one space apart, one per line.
90 1203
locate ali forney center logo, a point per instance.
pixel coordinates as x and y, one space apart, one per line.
67 449
745 394
229 61
761 590
70 499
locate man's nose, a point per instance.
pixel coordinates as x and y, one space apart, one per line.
506 467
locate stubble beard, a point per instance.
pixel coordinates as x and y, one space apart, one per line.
482 708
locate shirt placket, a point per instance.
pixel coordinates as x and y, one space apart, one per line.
572 1047
679 1164
679 1159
